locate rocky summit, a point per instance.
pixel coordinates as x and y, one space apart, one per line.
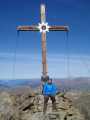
29 106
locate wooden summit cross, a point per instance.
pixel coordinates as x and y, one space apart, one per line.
43 27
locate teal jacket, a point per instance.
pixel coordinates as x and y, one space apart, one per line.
49 89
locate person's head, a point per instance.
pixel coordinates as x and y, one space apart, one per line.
49 81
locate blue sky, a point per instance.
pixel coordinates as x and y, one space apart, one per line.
27 62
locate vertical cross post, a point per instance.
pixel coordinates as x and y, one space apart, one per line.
43 40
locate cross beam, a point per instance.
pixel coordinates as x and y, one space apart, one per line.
35 28
43 27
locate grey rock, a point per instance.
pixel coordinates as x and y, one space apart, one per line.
28 107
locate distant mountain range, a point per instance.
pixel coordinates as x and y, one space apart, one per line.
81 83
18 82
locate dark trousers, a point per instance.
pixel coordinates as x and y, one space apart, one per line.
46 98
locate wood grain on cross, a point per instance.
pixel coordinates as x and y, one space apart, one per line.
43 27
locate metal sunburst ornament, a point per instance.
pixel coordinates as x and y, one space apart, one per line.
43 27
